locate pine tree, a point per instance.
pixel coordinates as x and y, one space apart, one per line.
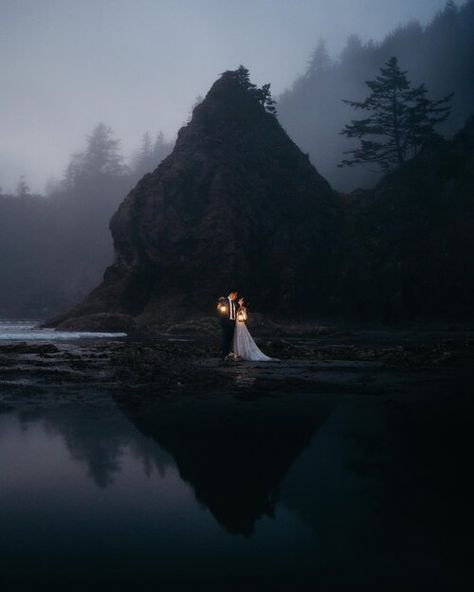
447 15
262 95
400 121
243 76
319 61
423 116
142 161
161 148
72 172
146 149
149 155
353 50
102 155
22 188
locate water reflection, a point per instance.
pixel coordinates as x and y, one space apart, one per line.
97 492
224 491
98 438
233 454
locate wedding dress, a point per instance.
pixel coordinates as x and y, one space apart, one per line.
245 347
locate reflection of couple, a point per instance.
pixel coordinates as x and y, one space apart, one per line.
237 343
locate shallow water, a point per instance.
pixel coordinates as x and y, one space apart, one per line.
294 491
26 330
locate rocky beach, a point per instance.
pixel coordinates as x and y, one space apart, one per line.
187 355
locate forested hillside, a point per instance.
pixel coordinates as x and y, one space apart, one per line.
441 55
54 248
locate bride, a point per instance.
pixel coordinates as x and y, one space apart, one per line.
243 346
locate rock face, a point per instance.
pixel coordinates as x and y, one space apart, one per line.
236 204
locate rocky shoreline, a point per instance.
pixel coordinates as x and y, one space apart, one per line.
180 360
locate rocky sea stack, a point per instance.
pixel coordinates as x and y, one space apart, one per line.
236 203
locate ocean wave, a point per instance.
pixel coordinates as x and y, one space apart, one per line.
26 331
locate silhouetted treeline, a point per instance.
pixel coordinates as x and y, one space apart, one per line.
54 248
441 55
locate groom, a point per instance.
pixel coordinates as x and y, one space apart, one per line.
227 308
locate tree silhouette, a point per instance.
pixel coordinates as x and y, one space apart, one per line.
243 76
265 98
262 94
142 161
161 148
100 160
401 119
146 149
22 187
149 156
319 60
102 155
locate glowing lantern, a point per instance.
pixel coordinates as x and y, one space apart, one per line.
222 307
242 315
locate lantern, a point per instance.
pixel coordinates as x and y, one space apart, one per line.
242 315
222 307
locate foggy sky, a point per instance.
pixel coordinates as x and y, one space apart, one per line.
137 65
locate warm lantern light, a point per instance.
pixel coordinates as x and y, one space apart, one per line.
241 315
222 308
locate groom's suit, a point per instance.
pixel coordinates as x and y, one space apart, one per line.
228 325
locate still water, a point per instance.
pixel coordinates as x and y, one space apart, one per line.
297 491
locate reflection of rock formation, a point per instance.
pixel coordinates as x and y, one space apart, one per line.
234 454
99 445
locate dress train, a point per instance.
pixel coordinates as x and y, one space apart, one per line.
245 347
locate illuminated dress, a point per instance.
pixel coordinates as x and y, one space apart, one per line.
243 344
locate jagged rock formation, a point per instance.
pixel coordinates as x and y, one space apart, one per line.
238 204
410 240
235 204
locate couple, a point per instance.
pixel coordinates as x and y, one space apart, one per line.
235 335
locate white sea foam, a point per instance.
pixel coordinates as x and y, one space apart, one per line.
26 330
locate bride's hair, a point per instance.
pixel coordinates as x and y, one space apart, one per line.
244 301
